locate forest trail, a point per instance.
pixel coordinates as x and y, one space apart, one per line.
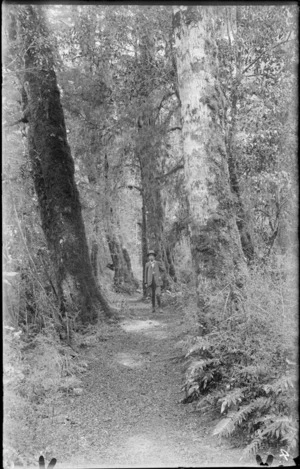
129 414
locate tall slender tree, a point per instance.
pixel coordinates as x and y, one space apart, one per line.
217 254
53 168
155 91
228 36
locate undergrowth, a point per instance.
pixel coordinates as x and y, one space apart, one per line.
38 372
42 362
244 370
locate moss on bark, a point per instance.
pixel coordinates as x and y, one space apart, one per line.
216 249
53 174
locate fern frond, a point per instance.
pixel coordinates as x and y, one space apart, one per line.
193 389
200 345
206 378
292 439
232 398
197 366
253 447
279 429
253 370
264 418
225 427
260 403
207 401
236 418
280 385
282 428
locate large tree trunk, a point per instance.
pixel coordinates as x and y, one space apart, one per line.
53 173
144 244
170 262
152 197
129 276
151 192
216 248
123 279
147 152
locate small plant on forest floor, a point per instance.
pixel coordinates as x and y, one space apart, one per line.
91 335
244 371
38 371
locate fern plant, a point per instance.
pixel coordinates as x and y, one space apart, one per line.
231 399
227 426
240 372
280 429
198 378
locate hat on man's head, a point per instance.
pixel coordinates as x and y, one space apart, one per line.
151 252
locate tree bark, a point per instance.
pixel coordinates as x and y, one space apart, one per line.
132 281
147 153
151 192
243 218
123 279
53 173
218 259
144 244
170 263
153 215
94 258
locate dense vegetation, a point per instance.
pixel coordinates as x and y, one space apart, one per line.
118 136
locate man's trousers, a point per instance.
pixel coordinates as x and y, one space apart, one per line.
155 292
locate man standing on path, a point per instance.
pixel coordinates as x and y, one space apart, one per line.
153 279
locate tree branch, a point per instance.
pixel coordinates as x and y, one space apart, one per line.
164 98
130 186
131 165
23 120
169 116
264 52
174 128
140 189
172 171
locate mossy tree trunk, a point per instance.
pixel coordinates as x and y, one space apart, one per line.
153 215
53 172
148 155
144 244
123 278
242 215
129 276
151 192
215 242
170 263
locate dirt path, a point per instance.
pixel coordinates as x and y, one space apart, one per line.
129 414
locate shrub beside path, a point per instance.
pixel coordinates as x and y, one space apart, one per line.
129 413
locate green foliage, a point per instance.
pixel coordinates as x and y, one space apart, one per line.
274 428
38 371
257 53
232 398
244 369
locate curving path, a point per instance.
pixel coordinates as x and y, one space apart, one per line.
129 414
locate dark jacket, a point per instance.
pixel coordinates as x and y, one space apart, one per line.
154 271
